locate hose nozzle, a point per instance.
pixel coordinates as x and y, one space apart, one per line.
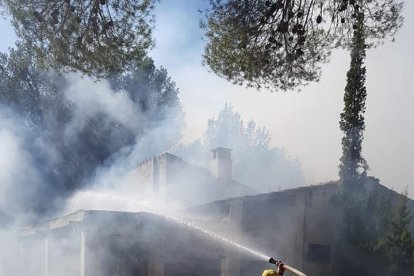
272 261
281 267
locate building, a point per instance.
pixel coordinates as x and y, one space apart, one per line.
174 179
302 226
299 225
100 243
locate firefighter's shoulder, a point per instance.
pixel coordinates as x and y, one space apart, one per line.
269 272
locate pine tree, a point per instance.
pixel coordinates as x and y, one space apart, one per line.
280 44
353 166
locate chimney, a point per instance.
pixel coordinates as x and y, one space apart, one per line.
222 164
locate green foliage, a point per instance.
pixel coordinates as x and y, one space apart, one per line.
353 166
96 37
28 89
156 89
358 233
376 237
280 44
153 91
397 243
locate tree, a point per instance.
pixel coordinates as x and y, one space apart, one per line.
255 162
357 202
79 142
229 130
353 166
397 244
376 234
96 37
280 44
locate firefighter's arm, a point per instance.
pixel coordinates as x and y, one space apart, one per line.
280 268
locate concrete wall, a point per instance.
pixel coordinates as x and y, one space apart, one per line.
144 173
299 225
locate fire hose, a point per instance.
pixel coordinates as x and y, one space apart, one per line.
284 267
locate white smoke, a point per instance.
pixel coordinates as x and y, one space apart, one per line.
16 162
90 98
114 186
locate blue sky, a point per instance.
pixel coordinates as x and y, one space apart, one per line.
305 123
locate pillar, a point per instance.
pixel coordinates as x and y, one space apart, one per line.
230 266
82 254
156 266
46 257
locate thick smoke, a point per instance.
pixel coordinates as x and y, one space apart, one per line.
18 169
59 131
70 143
17 143
114 185
89 99
62 134
255 162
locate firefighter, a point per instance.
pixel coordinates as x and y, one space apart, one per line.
279 271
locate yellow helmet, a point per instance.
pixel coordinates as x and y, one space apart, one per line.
269 272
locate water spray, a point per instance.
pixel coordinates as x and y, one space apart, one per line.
132 206
282 267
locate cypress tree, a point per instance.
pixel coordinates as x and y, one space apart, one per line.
353 166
